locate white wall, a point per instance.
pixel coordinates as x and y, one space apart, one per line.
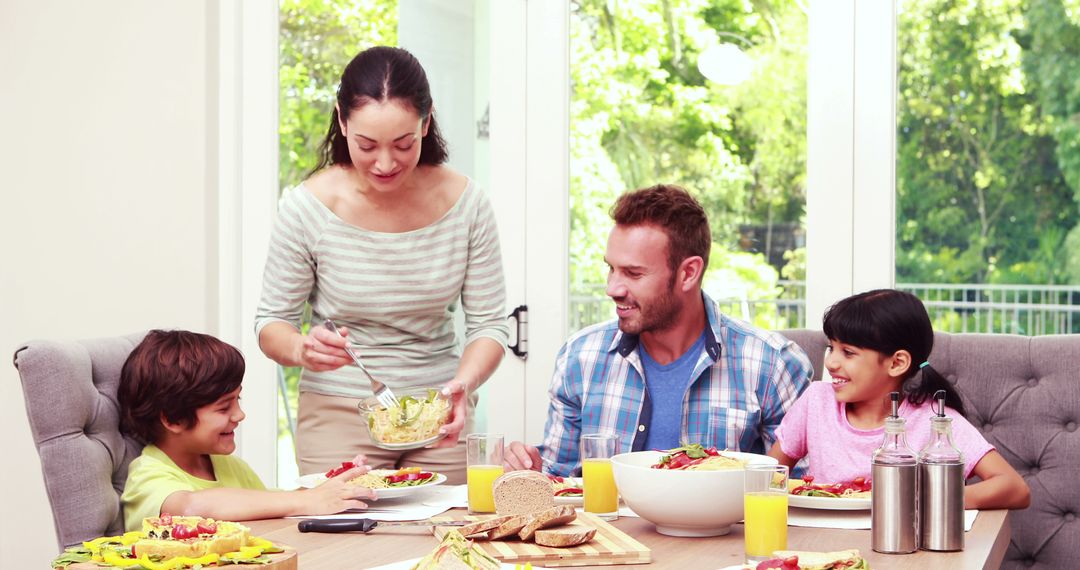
108 218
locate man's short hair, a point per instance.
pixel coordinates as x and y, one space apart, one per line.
174 373
673 210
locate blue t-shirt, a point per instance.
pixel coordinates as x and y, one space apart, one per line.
667 386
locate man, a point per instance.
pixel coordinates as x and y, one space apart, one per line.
671 369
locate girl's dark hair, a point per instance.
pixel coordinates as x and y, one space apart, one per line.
381 74
174 373
887 320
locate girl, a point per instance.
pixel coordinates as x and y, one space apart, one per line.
880 342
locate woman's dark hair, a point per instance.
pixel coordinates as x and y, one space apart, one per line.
887 320
380 74
174 373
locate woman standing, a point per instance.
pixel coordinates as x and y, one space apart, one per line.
389 243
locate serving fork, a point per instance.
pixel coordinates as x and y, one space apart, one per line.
382 392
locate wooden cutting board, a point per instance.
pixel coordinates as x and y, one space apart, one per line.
280 561
609 546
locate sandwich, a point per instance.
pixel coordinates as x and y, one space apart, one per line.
169 537
805 560
455 552
173 542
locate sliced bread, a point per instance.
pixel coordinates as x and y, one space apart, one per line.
564 536
522 492
483 526
554 516
512 526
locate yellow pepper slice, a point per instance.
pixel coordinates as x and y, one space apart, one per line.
245 553
97 542
113 558
261 543
178 562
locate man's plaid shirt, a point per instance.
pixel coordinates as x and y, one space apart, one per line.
744 382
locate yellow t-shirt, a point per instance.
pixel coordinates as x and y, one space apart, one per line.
152 477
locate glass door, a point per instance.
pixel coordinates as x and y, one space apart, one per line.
710 96
451 39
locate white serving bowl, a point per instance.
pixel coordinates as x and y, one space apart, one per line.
683 503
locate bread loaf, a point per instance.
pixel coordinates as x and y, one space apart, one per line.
522 492
554 516
564 536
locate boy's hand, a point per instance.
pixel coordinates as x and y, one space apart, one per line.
336 494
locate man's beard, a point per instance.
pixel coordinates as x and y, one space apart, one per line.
657 315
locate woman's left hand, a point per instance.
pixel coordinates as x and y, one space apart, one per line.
455 392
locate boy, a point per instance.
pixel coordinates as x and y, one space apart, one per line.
179 394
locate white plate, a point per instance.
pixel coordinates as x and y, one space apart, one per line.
575 501
407 564
316 479
830 503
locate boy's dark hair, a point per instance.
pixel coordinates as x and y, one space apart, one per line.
673 210
174 373
887 320
380 74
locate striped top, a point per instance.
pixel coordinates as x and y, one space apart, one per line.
397 293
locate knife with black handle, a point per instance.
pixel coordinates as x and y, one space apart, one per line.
363 525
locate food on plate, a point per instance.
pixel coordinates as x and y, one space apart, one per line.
455 552
386 478
695 457
415 419
564 536
854 489
521 492
390 478
804 560
565 488
173 542
554 516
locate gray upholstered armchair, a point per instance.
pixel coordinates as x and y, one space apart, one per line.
70 391
1023 393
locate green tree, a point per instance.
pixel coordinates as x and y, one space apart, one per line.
1051 42
977 177
642 113
318 38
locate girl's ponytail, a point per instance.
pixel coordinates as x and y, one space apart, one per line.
918 390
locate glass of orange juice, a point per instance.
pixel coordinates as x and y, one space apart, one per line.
598 481
484 462
765 502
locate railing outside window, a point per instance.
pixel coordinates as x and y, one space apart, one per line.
1030 310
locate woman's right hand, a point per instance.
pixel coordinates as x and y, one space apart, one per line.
322 349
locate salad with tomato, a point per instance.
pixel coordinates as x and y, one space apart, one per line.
386 478
695 457
857 487
565 488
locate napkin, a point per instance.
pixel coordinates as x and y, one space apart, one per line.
431 502
820 518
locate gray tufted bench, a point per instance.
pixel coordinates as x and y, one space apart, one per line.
1023 393
70 392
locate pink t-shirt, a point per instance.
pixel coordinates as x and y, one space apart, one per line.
838 452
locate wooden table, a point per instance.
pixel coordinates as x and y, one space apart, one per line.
985 545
